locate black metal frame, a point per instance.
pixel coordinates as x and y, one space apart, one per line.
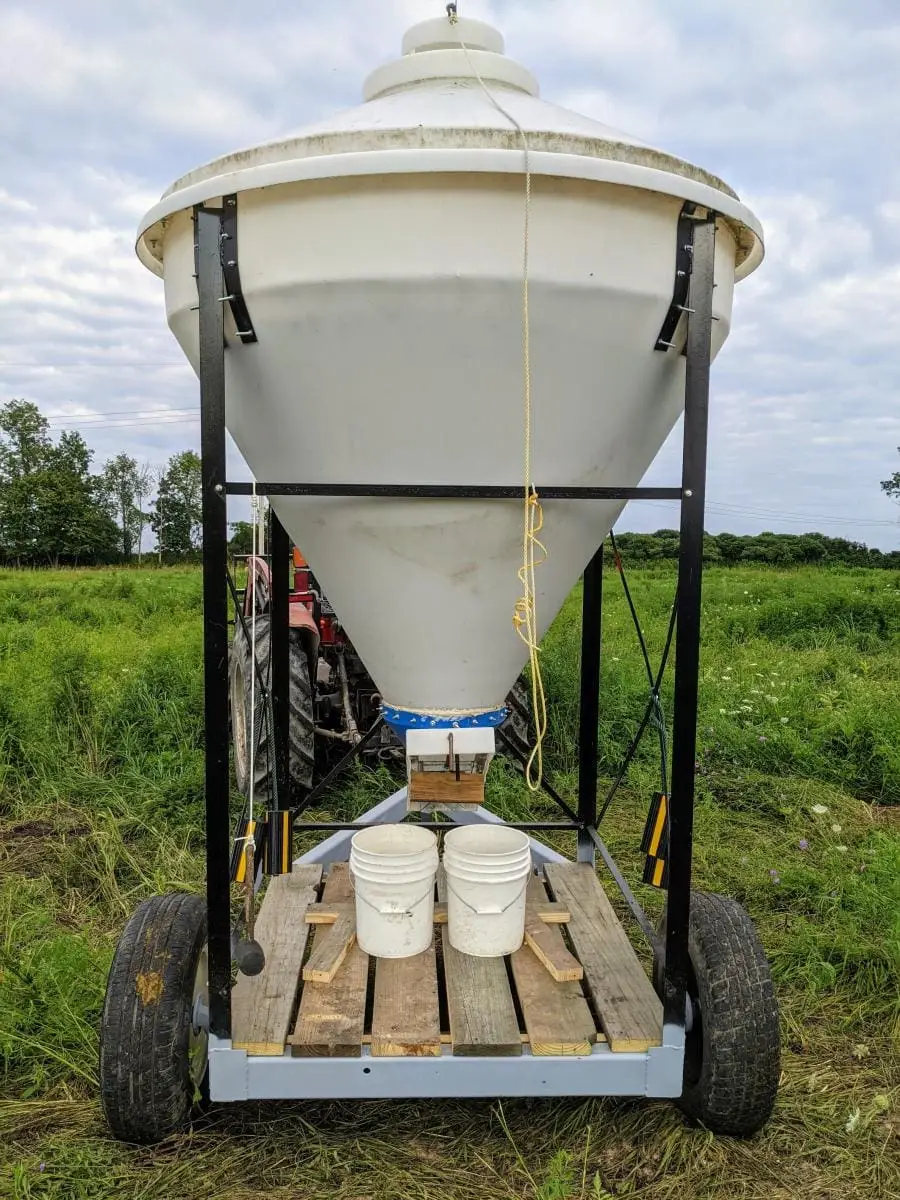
216 229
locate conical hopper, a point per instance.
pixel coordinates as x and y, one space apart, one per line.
381 257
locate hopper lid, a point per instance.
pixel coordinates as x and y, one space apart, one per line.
446 106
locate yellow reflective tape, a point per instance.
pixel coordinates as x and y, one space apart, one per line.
658 873
240 872
658 827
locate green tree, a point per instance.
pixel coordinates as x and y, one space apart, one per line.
126 484
892 485
241 537
52 509
72 518
24 439
176 518
25 450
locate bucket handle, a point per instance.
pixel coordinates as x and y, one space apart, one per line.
494 910
390 912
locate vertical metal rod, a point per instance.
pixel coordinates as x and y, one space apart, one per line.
589 707
687 643
215 617
281 663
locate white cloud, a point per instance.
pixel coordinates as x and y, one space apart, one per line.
103 104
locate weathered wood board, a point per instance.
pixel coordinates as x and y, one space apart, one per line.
629 1009
262 1005
331 1017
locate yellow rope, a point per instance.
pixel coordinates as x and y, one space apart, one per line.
534 552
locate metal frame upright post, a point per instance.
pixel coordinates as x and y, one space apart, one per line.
207 229
280 658
589 702
687 642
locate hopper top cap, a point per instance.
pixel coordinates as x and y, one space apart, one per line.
443 48
441 34
426 113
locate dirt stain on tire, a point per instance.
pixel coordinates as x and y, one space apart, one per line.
149 986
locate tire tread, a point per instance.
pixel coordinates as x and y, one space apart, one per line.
146 1088
735 1092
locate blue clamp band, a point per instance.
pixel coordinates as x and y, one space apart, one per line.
401 720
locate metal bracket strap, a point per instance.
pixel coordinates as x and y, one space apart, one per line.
684 264
231 272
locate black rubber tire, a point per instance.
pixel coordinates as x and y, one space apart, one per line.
733 1053
302 725
519 725
146 1086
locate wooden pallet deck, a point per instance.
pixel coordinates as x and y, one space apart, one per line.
321 996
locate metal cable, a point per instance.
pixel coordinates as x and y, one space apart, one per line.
653 713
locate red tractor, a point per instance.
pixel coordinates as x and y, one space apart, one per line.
333 700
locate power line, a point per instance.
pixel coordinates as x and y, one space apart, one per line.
150 422
95 366
720 509
121 412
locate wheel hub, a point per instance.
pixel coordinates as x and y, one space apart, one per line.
198 1041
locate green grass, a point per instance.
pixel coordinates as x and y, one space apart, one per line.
101 805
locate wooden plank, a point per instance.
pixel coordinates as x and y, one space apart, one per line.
406 1019
482 1014
546 910
557 1016
549 911
331 1017
547 945
629 1009
327 914
331 948
262 1006
445 1039
436 787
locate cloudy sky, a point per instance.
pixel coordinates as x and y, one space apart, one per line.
795 103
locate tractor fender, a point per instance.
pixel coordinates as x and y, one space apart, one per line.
300 618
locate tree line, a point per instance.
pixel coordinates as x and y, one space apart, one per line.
769 549
55 510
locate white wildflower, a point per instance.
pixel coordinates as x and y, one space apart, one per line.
819 809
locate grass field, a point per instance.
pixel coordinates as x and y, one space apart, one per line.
798 773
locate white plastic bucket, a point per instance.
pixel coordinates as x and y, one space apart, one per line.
487 869
393 868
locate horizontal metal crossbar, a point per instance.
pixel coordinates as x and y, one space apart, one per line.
316 826
450 491
237 1075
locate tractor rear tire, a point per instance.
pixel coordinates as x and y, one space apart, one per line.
733 1052
153 1035
302 725
519 725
